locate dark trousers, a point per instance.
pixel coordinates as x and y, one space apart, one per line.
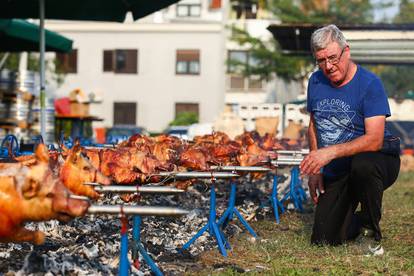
335 218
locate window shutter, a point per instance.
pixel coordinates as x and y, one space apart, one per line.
108 60
73 61
125 113
188 55
186 107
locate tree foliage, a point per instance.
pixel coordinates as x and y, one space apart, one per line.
398 79
33 64
406 13
12 62
323 11
268 56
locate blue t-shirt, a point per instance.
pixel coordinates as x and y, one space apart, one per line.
339 112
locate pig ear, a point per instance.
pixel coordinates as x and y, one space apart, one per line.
30 188
42 154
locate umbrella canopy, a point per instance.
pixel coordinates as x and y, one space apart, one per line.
93 10
18 35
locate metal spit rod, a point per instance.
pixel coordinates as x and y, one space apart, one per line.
183 175
240 168
103 146
293 152
148 189
137 210
286 162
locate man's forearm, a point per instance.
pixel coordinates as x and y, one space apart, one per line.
361 144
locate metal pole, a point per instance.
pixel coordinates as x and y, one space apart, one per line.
148 189
42 69
239 168
184 175
136 210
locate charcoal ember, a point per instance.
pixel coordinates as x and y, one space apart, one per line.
91 245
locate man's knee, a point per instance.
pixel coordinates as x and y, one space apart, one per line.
365 165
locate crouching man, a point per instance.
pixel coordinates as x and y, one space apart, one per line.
353 157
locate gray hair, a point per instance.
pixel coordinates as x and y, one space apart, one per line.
325 35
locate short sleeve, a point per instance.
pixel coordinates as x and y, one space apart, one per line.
309 96
375 100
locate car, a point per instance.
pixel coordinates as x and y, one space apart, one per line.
119 133
178 131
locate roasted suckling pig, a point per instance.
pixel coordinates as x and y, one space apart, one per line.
33 194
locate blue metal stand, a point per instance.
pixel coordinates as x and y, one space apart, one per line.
296 193
232 210
123 260
274 201
212 227
138 248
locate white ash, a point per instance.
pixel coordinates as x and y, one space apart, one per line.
91 245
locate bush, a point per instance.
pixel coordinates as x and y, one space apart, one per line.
185 119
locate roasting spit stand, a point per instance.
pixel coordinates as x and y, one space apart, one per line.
137 212
296 193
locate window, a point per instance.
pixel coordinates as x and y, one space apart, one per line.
68 63
244 9
237 57
238 61
188 62
188 10
120 61
186 107
125 113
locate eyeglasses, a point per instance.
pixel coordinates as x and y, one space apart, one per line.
332 59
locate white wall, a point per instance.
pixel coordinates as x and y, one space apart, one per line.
156 88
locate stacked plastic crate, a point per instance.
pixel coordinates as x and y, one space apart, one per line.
250 112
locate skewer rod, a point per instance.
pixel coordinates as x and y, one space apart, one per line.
286 162
137 189
137 210
293 152
183 175
240 168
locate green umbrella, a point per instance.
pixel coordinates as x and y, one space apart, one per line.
18 35
93 10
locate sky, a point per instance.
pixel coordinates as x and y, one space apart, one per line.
388 13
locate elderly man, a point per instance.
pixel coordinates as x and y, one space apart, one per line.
353 158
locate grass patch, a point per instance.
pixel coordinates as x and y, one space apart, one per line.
285 249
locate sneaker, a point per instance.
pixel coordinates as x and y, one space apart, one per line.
377 250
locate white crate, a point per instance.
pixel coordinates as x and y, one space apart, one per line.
249 112
295 113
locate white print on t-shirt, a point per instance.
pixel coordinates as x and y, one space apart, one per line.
334 122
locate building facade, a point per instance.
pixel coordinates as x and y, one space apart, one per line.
146 72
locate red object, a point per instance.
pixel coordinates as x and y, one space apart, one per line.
408 151
215 4
100 135
62 106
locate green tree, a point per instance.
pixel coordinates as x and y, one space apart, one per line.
12 62
323 11
33 64
268 56
406 13
397 79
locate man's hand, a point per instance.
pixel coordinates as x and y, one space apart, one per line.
315 160
315 183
